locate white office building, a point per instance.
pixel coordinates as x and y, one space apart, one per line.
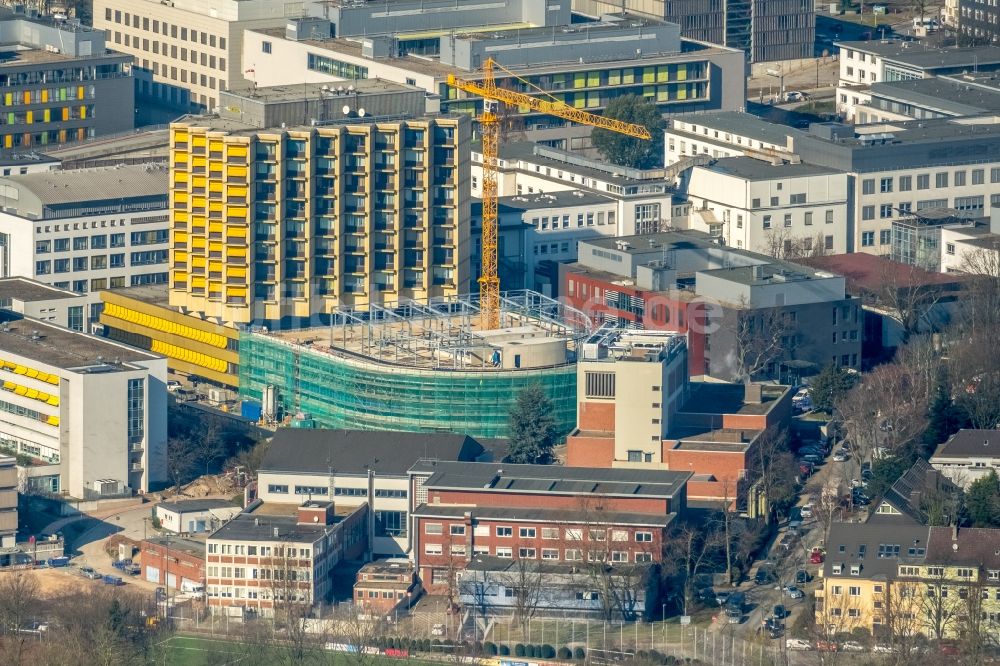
86 229
91 413
782 210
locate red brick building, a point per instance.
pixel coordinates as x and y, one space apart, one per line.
386 586
543 513
172 562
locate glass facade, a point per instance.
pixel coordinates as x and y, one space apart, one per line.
136 409
344 393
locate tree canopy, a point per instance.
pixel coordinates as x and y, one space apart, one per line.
829 386
982 501
631 151
532 427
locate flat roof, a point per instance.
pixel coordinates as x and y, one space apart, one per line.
433 67
65 348
729 398
964 98
562 199
530 514
749 168
28 290
320 451
529 151
153 294
869 273
738 122
189 546
279 524
927 56
195 505
556 479
312 91
95 184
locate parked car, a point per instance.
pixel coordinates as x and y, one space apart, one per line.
794 592
826 646
852 646
883 649
841 456
88 572
806 468
802 577
858 483
776 631
817 555
721 598
437 630
779 611
764 576
787 541
173 385
798 644
794 96
812 450
814 458
807 510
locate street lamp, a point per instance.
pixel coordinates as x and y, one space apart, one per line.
780 75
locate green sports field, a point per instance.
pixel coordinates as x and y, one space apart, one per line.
199 651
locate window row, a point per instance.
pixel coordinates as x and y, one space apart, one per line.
549 554
570 534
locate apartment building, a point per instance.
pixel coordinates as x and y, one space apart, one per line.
893 168
290 223
963 246
645 202
187 51
766 30
354 467
86 230
782 210
59 83
900 581
689 283
978 22
90 413
579 61
36 300
8 501
968 455
263 560
541 513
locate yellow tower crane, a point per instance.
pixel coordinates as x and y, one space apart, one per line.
489 124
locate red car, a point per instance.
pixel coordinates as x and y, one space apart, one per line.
816 557
826 646
949 649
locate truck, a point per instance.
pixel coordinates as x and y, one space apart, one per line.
132 569
192 588
58 562
113 580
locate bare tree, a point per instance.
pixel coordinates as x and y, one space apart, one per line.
761 337
897 605
774 467
981 304
689 549
181 461
356 633
19 601
781 243
524 579
289 586
940 603
906 296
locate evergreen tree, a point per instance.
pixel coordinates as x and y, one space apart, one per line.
829 386
982 501
532 427
626 150
944 418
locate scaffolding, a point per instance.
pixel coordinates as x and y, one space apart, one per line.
416 366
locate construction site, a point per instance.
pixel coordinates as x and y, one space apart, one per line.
418 367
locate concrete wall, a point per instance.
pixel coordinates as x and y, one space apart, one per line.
417 15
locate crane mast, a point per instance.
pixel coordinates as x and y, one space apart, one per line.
489 123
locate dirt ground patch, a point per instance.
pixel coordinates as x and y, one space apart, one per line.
51 582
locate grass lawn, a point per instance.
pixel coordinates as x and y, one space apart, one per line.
200 651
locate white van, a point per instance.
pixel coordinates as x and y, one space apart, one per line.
192 588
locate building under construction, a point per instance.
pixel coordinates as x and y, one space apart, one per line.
418 367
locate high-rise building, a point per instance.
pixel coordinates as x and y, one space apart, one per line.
766 29
978 22
268 225
58 83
